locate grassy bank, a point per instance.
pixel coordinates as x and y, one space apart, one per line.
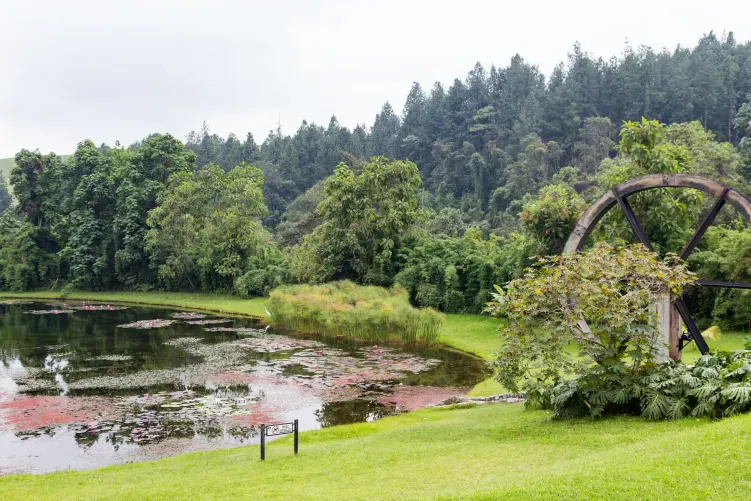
490 452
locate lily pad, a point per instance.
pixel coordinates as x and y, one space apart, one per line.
210 321
48 312
148 324
187 315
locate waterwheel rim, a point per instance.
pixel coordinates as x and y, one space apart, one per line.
619 196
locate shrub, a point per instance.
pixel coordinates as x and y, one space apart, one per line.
359 312
715 386
428 295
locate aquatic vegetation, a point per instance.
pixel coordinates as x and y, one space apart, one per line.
97 307
237 330
187 315
147 324
110 358
47 312
274 343
15 302
210 321
354 311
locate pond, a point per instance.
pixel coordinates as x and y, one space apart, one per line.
84 385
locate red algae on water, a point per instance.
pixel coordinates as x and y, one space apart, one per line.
24 412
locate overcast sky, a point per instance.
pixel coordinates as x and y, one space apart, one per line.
104 70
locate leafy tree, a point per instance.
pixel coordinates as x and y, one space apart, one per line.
250 149
669 217
206 231
743 126
448 221
24 265
525 175
28 187
139 177
553 215
301 216
725 254
89 246
366 217
595 143
457 274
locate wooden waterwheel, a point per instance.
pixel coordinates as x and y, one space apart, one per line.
678 310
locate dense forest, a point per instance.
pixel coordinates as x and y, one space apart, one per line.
461 190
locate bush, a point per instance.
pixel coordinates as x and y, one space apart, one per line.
252 283
359 312
716 386
428 295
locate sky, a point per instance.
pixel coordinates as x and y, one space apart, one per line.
104 70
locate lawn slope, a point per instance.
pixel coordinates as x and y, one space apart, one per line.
487 452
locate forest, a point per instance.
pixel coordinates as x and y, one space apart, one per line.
461 190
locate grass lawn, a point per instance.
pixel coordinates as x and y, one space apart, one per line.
476 334
728 341
490 452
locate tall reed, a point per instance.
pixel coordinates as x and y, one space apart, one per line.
355 311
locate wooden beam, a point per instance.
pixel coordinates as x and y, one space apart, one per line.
728 285
704 225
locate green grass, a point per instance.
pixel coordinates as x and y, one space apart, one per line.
490 452
728 341
196 301
476 334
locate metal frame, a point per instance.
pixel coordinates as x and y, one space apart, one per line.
266 433
619 194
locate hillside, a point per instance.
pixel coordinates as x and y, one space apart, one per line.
6 164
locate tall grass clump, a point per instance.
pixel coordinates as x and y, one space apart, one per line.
355 311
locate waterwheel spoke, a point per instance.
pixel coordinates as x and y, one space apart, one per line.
680 304
693 329
729 285
633 221
704 225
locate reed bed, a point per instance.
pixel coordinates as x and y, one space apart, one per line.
355 311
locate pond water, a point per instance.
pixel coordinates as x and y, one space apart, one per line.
84 385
